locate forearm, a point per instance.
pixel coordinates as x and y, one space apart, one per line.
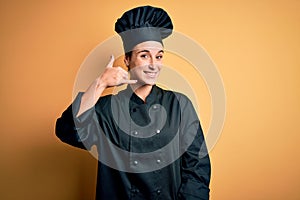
91 96
195 171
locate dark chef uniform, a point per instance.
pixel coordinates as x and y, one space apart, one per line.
146 150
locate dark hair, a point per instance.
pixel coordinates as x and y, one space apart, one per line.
128 56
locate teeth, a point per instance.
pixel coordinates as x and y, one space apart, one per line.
150 73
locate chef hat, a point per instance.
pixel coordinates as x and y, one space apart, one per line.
145 23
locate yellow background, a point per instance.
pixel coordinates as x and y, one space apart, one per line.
255 44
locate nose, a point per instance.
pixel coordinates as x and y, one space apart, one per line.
152 64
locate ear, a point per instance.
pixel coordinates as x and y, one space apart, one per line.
126 61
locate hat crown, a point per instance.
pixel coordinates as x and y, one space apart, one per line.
154 24
144 16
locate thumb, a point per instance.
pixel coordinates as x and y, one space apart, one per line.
111 62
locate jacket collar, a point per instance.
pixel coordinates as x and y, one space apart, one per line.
128 92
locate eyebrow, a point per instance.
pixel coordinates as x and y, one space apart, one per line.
147 51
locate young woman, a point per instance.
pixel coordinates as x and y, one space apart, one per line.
149 140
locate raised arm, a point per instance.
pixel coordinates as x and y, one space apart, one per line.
78 124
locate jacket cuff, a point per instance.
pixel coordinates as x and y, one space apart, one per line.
193 190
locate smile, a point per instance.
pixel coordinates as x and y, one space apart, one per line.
151 74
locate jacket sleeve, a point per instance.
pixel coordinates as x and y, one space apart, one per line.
195 162
77 131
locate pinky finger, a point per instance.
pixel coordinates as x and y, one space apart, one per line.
127 81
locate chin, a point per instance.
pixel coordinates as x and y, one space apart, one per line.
150 83
146 81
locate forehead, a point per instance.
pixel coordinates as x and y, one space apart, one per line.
149 45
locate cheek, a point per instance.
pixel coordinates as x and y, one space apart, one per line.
159 66
136 71
139 64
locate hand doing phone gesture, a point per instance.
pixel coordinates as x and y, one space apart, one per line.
112 76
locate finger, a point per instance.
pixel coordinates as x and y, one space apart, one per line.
127 81
122 70
111 62
123 73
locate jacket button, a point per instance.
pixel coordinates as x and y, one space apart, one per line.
134 132
158 191
157 131
158 161
135 162
135 190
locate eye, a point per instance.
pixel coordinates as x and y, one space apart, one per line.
144 56
159 57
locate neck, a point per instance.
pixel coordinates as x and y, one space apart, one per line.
142 91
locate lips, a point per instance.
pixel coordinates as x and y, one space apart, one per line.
151 74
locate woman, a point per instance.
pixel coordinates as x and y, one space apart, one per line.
149 140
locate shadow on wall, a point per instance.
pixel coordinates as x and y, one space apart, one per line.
47 171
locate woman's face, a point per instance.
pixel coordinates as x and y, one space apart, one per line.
145 62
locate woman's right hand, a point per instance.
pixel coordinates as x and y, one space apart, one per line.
112 76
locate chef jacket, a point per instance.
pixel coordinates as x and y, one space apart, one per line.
152 149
